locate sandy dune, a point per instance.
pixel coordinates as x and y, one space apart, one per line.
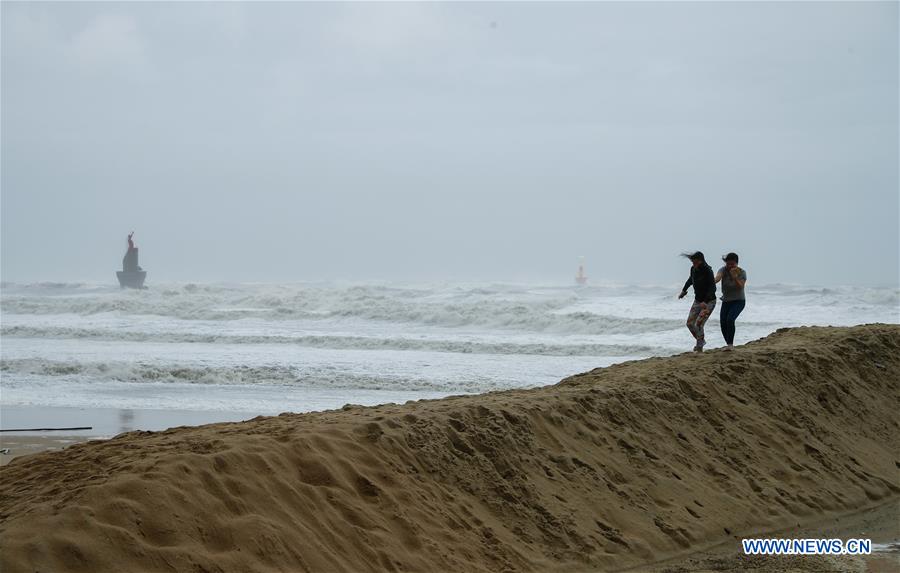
606 470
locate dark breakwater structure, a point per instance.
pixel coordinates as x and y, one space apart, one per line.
131 275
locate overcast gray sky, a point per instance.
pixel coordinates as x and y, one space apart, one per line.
289 141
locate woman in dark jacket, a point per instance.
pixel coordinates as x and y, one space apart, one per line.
704 283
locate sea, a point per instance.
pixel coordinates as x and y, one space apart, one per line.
232 351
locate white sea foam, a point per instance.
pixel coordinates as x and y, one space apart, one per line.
246 347
504 308
316 377
338 342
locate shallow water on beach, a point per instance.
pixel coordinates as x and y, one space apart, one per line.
298 347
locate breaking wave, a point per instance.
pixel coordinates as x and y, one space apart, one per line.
344 342
320 377
503 308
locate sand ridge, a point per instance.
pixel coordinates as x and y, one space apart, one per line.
609 469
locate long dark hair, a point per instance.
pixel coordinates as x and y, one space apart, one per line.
695 256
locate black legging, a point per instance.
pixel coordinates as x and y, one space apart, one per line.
730 311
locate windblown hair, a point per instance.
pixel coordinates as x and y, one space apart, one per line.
695 256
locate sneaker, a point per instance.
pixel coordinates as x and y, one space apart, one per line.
729 347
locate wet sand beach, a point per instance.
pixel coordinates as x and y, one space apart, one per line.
13 447
638 465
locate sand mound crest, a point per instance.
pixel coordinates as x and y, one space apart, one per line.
608 469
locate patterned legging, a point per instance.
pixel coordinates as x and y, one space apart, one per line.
697 318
